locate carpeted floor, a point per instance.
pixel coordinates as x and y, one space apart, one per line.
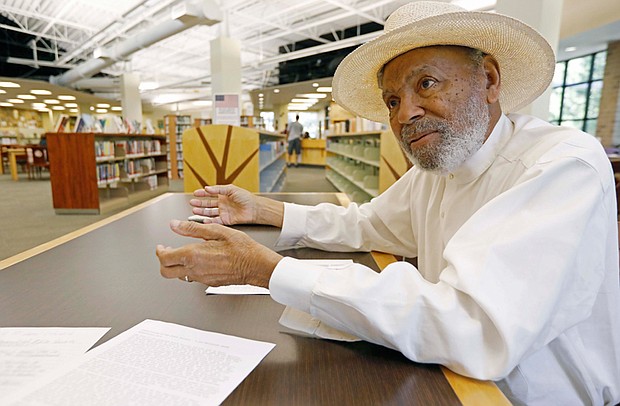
27 216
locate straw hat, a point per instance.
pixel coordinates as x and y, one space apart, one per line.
525 58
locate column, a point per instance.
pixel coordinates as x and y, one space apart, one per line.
225 76
130 97
545 16
608 124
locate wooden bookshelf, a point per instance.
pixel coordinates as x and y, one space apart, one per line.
174 126
93 173
251 158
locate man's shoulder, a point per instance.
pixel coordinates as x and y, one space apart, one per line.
536 140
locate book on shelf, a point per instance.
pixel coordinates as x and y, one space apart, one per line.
62 124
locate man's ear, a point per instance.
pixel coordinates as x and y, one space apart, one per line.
493 78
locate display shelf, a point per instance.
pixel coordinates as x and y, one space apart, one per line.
94 172
247 157
174 126
313 151
364 164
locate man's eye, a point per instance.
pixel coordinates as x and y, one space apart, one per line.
392 103
427 83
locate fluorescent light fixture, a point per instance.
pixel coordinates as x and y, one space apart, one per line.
312 95
66 97
15 101
58 107
102 105
116 108
9 84
71 104
51 101
315 84
39 105
2 91
570 49
276 90
304 101
26 96
43 110
261 95
5 104
325 89
41 92
101 111
74 110
148 85
298 107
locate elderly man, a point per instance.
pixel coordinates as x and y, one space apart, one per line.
513 221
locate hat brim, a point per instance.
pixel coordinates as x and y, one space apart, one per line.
526 60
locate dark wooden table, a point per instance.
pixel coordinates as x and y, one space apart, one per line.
108 276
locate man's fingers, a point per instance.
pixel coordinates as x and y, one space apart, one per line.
205 231
208 211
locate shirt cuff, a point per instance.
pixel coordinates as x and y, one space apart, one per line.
293 225
292 283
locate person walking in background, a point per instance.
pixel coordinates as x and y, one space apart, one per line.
295 130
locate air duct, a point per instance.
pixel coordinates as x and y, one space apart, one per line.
183 16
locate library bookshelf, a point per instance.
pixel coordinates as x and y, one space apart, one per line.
92 173
174 126
364 164
250 158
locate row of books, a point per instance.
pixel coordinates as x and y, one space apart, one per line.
127 148
139 166
109 123
107 173
353 125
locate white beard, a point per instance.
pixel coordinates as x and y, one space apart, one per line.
461 137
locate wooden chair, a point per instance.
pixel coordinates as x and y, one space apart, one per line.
36 160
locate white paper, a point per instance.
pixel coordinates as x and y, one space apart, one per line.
237 290
30 353
304 323
257 290
154 363
309 326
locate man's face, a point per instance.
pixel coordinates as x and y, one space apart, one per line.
438 107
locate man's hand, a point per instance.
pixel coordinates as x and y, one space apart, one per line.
231 205
225 256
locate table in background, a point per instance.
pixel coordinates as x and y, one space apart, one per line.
107 275
12 152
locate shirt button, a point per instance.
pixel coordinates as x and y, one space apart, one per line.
451 176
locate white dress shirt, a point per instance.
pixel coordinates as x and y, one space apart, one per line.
517 277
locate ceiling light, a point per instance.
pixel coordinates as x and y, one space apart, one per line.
5 104
71 104
9 84
74 111
39 105
92 108
315 84
2 91
26 96
15 101
303 101
276 90
148 85
313 95
117 108
570 49
41 92
66 97
51 101
43 110
325 89
260 95
101 111
298 107
103 105
58 107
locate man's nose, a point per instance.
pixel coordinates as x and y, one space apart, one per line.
410 110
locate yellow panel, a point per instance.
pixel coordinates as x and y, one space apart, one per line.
393 163
220 154
313 152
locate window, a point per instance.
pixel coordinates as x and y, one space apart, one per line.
576 93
